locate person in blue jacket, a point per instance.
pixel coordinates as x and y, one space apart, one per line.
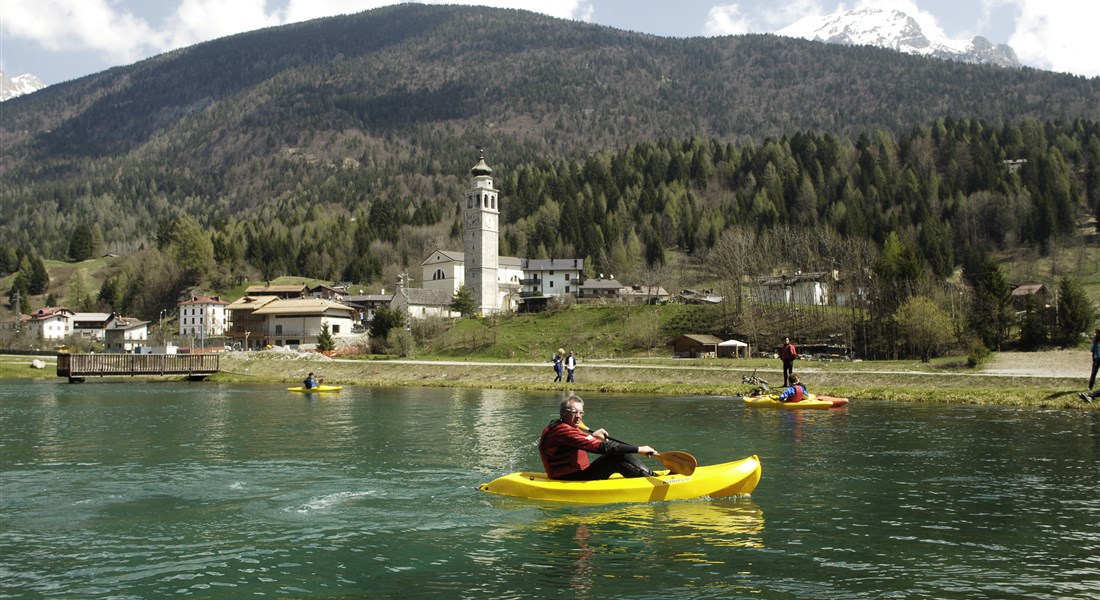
795 392
309 382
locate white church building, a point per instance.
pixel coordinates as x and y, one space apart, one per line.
497 283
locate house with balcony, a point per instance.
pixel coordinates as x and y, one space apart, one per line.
91 325
551 277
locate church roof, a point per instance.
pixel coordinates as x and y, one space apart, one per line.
481 168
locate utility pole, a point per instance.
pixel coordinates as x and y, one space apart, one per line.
403 284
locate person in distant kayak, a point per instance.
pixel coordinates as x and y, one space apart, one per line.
795 393
787 354
558 359
564 448
309 383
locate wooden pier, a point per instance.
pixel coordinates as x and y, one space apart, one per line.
192 366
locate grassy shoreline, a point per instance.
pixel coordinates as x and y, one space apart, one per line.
943 381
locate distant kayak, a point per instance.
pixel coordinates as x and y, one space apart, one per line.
319 388
727 479
810 401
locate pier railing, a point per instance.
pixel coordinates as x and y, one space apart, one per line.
193 366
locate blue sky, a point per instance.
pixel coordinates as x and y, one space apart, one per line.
58 40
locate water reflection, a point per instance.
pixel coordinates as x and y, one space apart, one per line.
735 524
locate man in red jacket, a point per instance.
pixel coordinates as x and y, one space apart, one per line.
564 448
787 354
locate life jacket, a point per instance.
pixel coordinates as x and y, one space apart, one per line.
558 463
799 393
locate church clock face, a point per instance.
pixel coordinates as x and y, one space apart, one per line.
489 221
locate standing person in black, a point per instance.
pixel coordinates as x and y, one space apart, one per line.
570 365
787 354
557 359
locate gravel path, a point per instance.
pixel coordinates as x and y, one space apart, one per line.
1052 363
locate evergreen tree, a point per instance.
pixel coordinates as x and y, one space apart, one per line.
385 319
33 268
463 301
1076 313
81 243
990 311
325 342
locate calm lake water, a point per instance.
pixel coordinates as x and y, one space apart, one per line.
134 490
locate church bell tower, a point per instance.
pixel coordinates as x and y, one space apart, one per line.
481 238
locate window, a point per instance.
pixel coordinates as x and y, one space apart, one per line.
335 329
567 276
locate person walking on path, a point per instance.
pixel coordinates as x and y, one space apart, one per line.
570 365
558 358
787 354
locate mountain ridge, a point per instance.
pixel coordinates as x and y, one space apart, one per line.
896 30
13 87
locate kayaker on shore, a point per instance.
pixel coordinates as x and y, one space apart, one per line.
795 393
787 354
564 448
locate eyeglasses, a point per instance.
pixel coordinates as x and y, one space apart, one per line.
574 411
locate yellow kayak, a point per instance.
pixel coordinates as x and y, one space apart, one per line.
810 401
318 388
715 481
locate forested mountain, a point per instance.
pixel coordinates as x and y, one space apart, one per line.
337 148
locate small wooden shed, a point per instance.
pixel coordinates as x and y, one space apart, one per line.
698 345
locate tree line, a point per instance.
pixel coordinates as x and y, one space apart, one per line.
901 212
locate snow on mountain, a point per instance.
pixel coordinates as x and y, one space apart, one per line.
898 31
17 86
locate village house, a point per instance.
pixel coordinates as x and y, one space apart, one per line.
329 292
551 277
421 303
1036 293
598 287
259 322
279 291
650 294
91 325
367 304
125 336
799 288
203 317
49 323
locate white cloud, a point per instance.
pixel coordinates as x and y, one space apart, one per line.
89 25
1058 35
727 19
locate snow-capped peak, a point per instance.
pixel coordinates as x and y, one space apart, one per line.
898 31
17 86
